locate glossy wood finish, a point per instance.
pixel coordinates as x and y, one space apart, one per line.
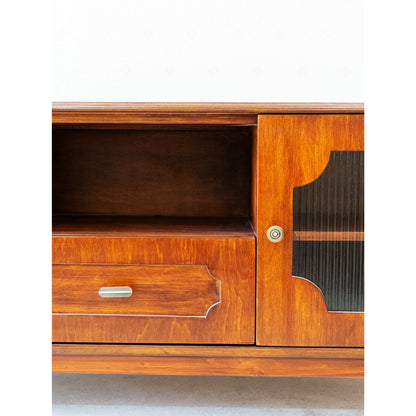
209 360
207 108
191 113
118 226
229 260
183 291
293 151
328 235
212 232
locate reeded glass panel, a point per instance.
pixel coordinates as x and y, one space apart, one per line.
328 224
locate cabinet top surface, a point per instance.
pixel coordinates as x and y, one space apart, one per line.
200 107
183 113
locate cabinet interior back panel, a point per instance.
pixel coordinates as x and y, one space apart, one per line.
192 173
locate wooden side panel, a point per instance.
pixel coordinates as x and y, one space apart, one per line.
293 151
210 360
231 261
254 179
156 290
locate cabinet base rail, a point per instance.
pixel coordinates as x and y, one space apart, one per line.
208 360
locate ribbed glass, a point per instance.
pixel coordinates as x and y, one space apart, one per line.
328 225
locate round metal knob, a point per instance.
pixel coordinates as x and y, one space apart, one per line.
275 234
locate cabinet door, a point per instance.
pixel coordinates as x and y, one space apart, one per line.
310 183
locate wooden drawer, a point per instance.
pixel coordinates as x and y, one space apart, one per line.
184 290
135 290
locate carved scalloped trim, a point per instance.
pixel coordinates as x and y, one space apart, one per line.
208 272
307 281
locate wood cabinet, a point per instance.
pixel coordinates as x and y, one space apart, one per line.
294 151
193 238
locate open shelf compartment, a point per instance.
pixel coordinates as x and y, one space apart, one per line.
147 181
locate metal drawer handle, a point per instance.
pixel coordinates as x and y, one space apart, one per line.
115 292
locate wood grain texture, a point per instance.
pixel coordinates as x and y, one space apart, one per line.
152 173
230 260
271 152
118 226
209 360
154 126
190 113
328 235
293 151
208 108
157 290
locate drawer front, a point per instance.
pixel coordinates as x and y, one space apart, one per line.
161 290
178 290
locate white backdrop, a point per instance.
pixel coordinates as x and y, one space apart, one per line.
208 50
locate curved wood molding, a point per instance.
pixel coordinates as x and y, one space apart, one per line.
177 290
299 146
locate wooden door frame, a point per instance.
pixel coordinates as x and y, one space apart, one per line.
293 150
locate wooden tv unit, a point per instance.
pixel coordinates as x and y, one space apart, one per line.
208 238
